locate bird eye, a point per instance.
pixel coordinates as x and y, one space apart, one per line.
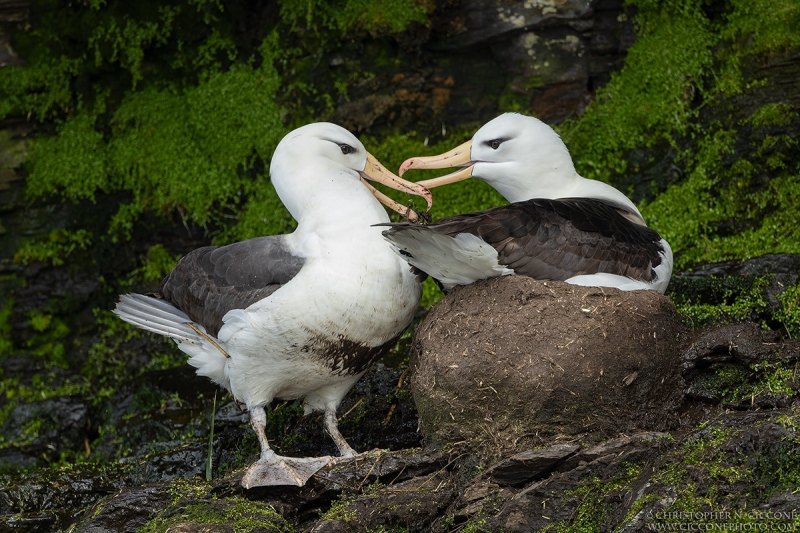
347 149
495 144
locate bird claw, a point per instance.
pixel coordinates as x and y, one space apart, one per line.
277 470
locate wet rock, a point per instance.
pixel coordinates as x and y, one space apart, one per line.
626 447
745 343
480 58
126 511
726 363
44 501
180 460
512 360
48 426
768 276
412 504
529 465
201 528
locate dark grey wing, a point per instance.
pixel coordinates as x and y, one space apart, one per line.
559 239
575 236
210 281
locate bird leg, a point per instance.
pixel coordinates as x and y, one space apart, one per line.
273 469
332 427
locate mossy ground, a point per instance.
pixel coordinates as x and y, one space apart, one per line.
173 109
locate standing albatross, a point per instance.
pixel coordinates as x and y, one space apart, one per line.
301 315
558 226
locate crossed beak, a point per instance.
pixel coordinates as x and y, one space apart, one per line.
375 171
460 156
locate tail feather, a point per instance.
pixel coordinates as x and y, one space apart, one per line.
157 316
458 260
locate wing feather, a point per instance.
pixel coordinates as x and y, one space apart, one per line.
210 281
559 239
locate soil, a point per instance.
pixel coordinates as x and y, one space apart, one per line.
511 360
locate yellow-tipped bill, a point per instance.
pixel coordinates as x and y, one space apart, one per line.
458 156
375 171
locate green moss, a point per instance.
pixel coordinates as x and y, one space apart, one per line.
187 149
55 248
789 313
650 99
375 16
709 472
724 208
6 345
339 510
242 515
592 510
155 265
772 114
720 300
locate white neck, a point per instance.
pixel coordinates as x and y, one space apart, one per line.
557 183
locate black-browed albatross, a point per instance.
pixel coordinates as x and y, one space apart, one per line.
301 315
558 226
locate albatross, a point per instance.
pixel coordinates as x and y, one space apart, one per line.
558 225
301 315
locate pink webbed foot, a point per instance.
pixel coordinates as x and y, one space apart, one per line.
274 469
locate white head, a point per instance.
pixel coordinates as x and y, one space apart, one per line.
522 158
323 166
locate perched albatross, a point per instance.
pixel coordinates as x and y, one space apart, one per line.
558 226
301 315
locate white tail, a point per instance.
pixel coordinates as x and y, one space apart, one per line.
458 260
158 316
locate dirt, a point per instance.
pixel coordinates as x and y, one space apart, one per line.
512 362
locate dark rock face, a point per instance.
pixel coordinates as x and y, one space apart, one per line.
511 360
482 58
529 465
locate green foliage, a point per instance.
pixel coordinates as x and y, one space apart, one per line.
732 383
113 42
243 515
192 150
5 327
374 16
39 90
722 209
726 191
720 300
788 314
650 99
55 248
155 265
339 510
714 456
591 510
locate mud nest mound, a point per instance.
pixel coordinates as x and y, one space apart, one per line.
512 361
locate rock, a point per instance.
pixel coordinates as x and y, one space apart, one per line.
512 360
47 426
729 365
413 503
531 464
44 500
614 449
126 511
745 343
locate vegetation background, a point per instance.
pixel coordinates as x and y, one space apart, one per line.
133 132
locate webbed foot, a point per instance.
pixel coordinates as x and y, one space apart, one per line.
274 469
